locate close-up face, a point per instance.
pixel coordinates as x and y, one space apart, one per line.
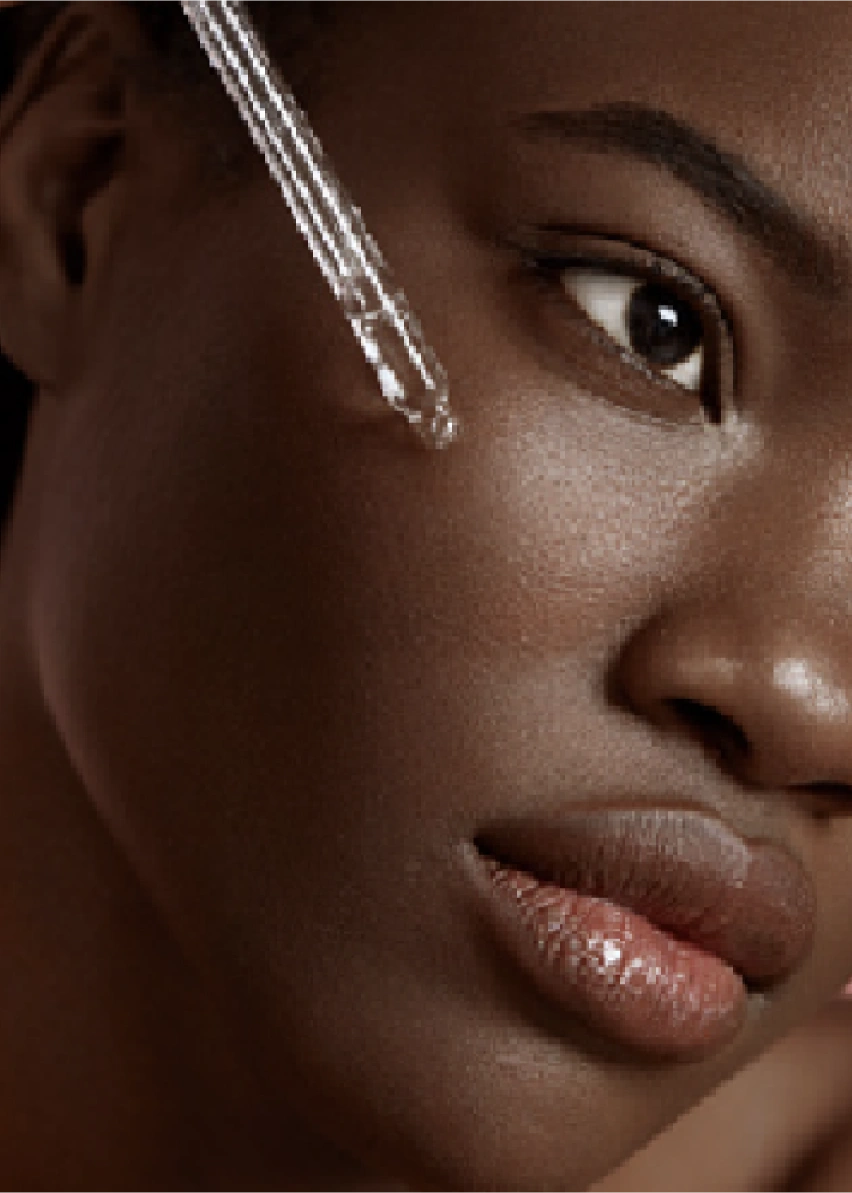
499 795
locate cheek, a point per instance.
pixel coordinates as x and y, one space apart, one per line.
249 578
587 530
177 553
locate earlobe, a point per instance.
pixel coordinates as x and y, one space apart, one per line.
62 133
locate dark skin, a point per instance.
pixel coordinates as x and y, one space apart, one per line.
267 667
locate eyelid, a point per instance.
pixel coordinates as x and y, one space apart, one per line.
623 254
552 249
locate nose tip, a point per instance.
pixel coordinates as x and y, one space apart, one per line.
773 706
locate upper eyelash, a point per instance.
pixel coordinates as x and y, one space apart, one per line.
537 247
651 271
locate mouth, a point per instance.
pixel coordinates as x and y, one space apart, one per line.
652 925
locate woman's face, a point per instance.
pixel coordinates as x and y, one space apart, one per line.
311 674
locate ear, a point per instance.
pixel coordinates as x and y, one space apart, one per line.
62 135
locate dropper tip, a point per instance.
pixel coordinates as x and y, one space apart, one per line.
440 430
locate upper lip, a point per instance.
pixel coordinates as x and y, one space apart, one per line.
751 903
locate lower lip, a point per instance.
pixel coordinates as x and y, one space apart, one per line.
612 968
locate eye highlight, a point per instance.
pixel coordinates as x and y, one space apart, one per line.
648 318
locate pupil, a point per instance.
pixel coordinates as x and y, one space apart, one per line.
662 327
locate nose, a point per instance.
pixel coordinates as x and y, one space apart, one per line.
769 696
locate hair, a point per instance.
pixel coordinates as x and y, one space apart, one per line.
173 64
161 22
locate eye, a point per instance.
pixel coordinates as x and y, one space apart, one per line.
637 328
647 317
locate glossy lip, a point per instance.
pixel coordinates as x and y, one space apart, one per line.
696 907
750 903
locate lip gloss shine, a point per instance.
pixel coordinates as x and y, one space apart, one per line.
651 924
617 971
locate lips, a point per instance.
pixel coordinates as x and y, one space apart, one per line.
752 904
648 923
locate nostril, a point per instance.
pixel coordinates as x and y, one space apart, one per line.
828 798
713 729
836 790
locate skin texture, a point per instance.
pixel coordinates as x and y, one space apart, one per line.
267 667
785 1122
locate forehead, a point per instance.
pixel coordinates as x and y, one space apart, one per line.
772 82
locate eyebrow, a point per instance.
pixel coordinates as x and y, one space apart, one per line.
723 180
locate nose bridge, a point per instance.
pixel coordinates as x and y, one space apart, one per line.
756 660
784 548
789 558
